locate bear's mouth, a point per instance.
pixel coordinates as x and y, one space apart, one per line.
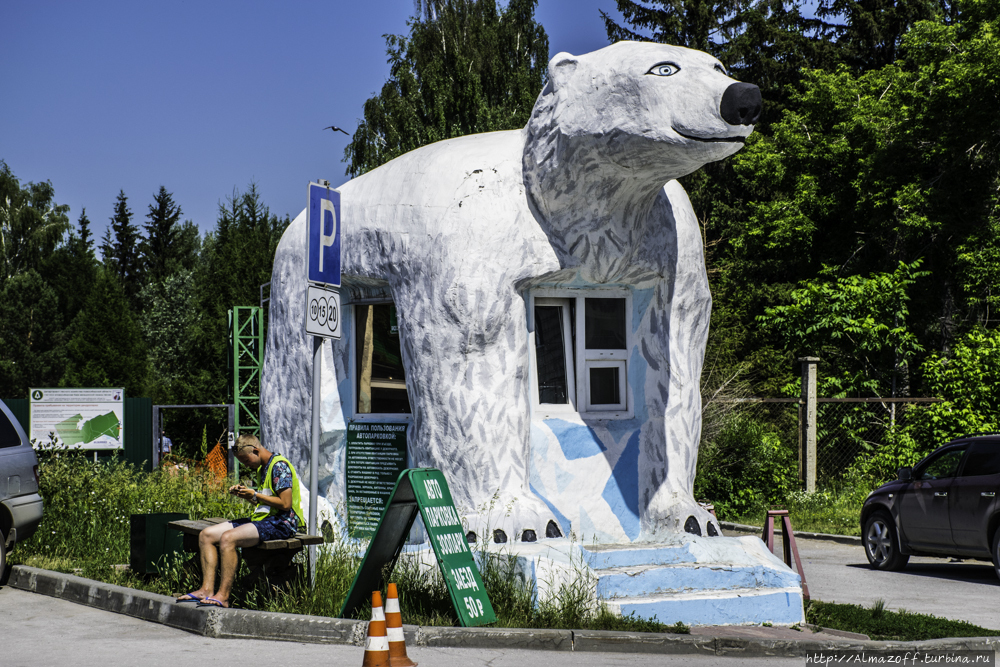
727 140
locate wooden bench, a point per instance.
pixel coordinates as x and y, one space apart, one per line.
269 562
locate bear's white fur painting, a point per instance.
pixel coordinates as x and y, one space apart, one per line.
461 234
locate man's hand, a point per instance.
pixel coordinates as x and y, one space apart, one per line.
241 491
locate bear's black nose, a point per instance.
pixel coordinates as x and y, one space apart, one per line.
741 104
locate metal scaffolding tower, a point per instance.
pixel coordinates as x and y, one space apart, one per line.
246 361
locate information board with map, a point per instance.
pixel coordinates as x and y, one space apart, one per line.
376 454
77 418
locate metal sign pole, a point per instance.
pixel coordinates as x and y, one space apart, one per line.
322 318
314 455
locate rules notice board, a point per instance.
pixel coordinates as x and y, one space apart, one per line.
77 418
376 454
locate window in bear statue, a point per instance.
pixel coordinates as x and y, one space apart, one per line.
581 343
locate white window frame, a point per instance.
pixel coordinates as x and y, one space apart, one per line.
578 368
406 417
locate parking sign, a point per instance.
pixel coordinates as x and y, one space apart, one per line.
323 223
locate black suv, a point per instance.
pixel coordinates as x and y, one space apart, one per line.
946 506
20 504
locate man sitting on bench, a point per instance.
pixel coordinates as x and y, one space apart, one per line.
276 516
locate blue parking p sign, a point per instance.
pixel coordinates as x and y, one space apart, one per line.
323 223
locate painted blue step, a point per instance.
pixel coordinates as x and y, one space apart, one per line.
657 579
734 607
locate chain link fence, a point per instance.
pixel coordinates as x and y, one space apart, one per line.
846 429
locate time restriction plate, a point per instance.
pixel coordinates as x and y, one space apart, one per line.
323 311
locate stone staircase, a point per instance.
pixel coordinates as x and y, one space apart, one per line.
699 581
695 580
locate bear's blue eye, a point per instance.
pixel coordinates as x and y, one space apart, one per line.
720 68
664 69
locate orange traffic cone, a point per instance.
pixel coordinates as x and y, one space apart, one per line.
377 644
394 628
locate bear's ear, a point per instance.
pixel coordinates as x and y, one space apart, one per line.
561 68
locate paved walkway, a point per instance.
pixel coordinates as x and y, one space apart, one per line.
965 591
39 631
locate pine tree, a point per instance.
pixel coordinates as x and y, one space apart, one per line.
235 261
106 349
159 249
125 249
85 233
869 32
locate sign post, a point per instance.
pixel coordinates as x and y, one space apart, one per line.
322 317
423 490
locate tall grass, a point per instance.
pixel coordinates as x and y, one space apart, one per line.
85 530
85 525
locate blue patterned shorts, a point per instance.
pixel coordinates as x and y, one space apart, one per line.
270 528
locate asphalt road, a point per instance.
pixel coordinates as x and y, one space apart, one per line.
965 591
36 630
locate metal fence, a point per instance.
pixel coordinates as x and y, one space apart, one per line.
845 428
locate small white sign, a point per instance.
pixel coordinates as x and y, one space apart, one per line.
323 311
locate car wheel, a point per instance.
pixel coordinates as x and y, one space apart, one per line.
3 558
996 553
882 543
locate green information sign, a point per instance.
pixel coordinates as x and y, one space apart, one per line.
376 454
423 490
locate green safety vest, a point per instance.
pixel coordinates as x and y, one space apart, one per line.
262 511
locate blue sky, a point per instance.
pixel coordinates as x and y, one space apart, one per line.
202 97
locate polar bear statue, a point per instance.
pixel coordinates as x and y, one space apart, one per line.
459 231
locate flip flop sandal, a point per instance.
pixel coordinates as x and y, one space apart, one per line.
212 602
190 597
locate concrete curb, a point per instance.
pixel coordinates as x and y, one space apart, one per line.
759 530
242 624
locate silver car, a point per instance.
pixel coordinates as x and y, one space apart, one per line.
20 504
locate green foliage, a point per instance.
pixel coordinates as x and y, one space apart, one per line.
31 223
169 316
88 505
467 66
123 254
32 352
865 171
70 270
163 252
236 259
857 325
877 467
744 468
969 382
86 530
883 625
106 348
872 30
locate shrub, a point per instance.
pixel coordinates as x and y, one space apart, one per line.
744 468
88 506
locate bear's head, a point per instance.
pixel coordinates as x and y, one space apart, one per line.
649 110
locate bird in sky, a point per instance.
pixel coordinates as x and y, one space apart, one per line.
337 129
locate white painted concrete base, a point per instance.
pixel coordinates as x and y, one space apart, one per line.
696 580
